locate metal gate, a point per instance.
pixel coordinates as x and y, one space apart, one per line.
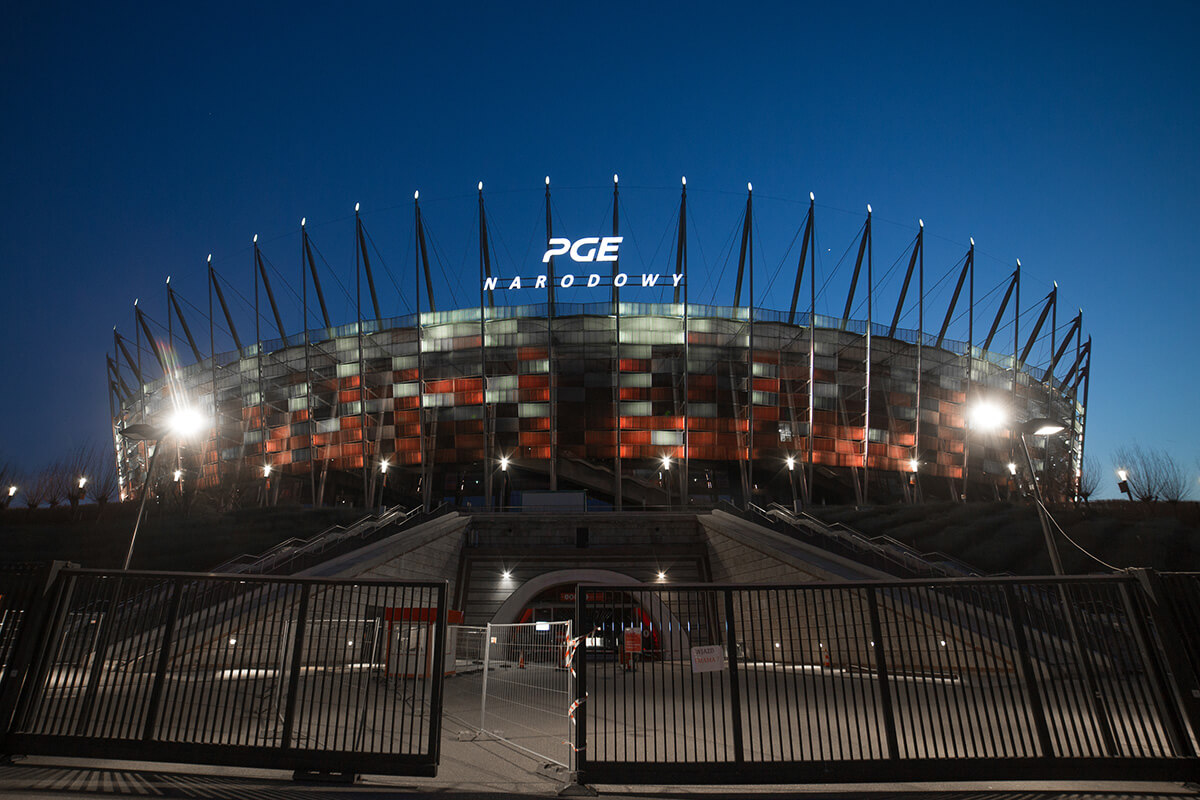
338 676
903 680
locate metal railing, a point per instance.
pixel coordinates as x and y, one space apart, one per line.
328 675
881 552
293 555
880 680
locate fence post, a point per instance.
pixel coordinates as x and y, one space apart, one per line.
1160 601
579 664
1031 684
439 677
289 711
885 688
164 654
735 691
487 657
40 601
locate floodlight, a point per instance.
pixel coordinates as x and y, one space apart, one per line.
791 462
1040 426
988 417
185 422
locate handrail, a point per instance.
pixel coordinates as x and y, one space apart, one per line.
882 552
287 552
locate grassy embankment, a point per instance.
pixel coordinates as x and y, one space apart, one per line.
95 537
1005 537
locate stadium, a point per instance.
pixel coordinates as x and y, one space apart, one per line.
603 385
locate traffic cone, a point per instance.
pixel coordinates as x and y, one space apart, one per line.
521 661
825 659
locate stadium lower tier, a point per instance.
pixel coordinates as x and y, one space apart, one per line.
652 406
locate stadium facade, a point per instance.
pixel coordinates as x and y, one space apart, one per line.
612 402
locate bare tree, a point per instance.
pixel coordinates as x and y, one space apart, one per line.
1144 474
8 478
1176 483
73 473
102 481
56 480
1089 478
34 489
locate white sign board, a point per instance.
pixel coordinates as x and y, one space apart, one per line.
708 658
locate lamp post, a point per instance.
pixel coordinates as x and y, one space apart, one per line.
383 468
1123 483
791 465
666 465
504 483
1042 427
266 470
1048 427
184 422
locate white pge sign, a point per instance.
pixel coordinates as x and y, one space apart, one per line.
597 249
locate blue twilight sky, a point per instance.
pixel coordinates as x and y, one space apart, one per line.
137 139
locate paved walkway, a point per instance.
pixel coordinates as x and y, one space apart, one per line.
487 771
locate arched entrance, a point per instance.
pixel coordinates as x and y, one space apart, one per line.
548 591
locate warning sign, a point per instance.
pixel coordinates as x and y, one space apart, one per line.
708 658
633 640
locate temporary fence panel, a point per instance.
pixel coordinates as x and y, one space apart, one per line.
465 648
294 673
958 678
526 688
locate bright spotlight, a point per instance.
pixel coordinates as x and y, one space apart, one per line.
266 470
178 475
1012 468
666 462
186 422
82 481
988 417
662 576
383 465
791 462
1121 473
913 464
504 463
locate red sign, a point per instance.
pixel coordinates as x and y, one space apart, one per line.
633 640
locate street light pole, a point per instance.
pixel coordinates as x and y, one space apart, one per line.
791 465
1046 427
1051 546
137 523
666 465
